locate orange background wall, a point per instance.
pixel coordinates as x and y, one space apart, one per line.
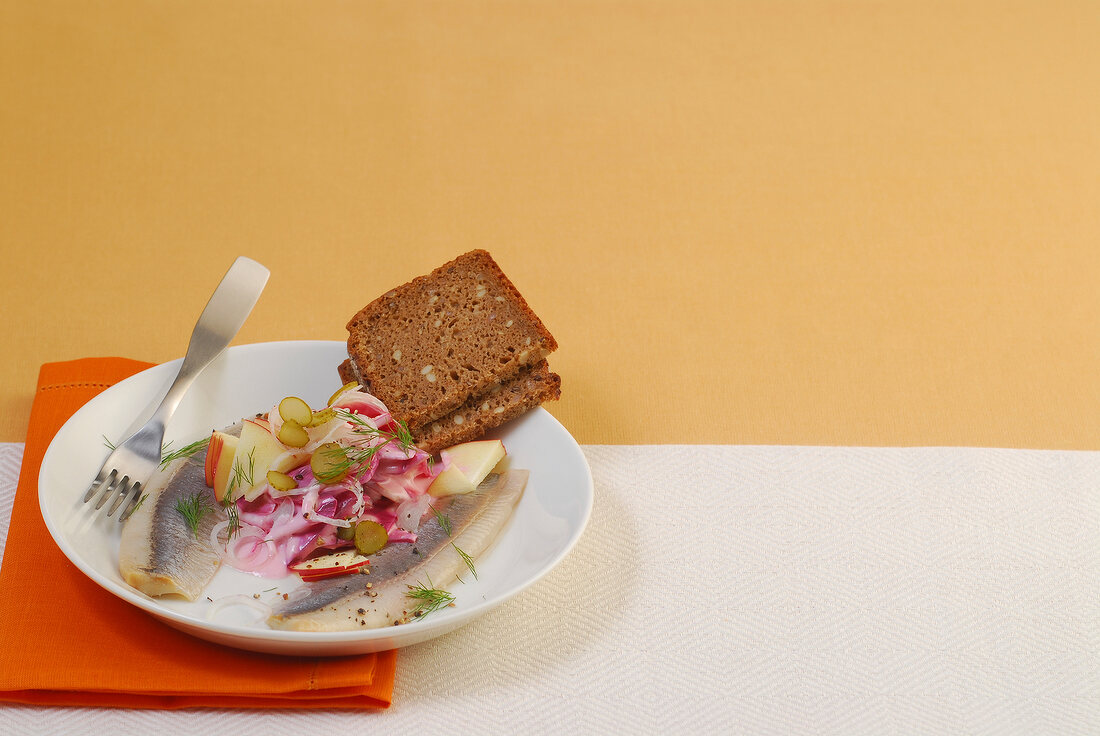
756 222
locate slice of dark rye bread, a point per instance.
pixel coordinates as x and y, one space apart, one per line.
502 402
479 414
430 346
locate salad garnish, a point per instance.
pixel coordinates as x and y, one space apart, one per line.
445 524
344 457
243 474
317 493
467 559
167 457
442 519
193 508
351 479
428 598
233 517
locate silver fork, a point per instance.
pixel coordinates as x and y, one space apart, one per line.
128 468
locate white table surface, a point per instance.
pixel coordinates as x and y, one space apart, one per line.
764 590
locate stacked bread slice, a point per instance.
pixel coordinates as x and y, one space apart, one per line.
453 353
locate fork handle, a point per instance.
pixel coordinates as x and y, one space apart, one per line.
220 321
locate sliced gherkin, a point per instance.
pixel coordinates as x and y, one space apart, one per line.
281 481
349 385
370 536
294 409
293 434
330 463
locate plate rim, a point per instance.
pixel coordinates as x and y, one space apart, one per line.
457 618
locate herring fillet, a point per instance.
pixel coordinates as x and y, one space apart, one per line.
158 553
379 598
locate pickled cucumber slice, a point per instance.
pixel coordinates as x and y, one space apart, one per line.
292 434
281 481
346 533
322 416
294 409
350 385
330 463
370 536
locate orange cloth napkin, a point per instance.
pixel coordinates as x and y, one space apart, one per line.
66 641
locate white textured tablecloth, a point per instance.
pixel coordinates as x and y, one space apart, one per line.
769 590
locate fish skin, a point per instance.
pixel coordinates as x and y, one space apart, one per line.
346 603
158 553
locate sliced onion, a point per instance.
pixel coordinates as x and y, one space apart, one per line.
239 600
215 543
314 516
331 431
299 490
275 419
356 488
309 500
360 402
298 594
410 512
282 522
251 562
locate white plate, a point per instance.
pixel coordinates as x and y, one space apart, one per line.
251 378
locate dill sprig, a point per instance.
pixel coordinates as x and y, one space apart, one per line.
444 522
234 517
248 475
467 559
167 457
167 454
402 436
193 508
137 505
428 598
343 458
231 484
241 476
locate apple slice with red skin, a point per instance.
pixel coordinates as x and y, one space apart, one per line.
327 575
219 462
213 452
308 578
344 562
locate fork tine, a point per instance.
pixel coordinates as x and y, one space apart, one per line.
123 490
98 483
132 505
121 496
114 486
